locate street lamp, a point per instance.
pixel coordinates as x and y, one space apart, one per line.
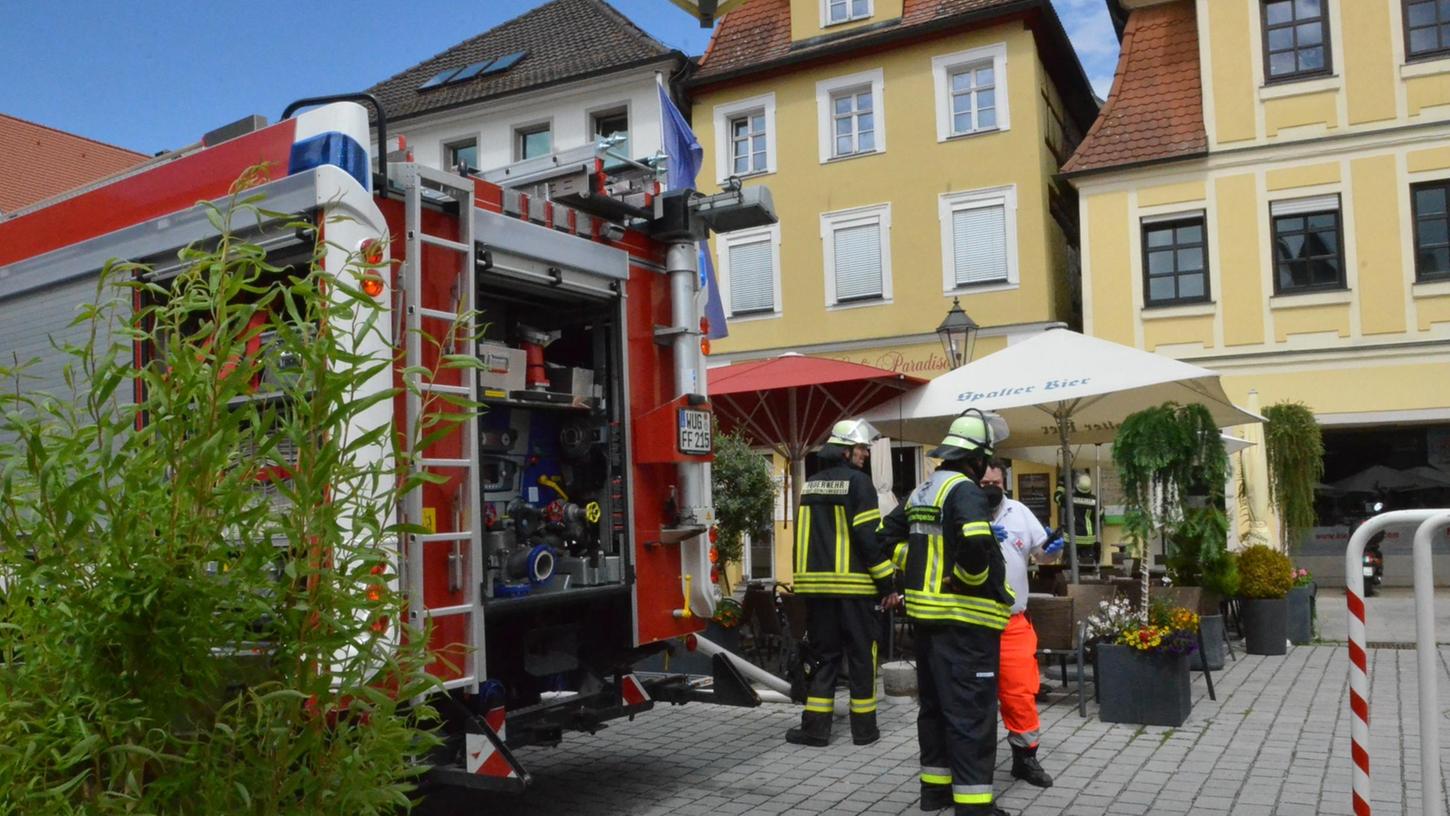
958 333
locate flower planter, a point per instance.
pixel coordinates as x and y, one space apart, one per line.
1265 622
1300 622
1213 643
1147 688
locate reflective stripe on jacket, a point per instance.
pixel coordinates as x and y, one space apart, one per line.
953 566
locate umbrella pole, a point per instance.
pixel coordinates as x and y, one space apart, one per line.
1065 509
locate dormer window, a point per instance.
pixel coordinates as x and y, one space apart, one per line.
844 11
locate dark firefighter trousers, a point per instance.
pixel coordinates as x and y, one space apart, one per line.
956 725
839 627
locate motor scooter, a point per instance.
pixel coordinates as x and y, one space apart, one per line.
1373 564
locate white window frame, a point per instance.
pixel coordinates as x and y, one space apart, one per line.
942 68
733 110
520 130
880 214
724 242
592 115
827 22
950 203
826 88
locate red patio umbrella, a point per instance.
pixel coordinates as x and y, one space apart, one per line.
790 402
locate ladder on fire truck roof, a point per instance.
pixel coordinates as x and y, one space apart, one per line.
465 567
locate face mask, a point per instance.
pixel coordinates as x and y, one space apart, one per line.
994 496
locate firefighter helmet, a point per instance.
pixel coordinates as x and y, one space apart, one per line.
852 432
1084 483
974 432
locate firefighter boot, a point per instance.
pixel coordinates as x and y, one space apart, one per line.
935 797
863 728
815 730
1025 767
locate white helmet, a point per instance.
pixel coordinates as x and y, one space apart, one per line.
852 432
1084 483
974 431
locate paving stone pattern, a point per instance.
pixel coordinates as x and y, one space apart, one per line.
1275 742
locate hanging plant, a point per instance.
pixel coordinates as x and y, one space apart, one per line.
1295 450
1172 466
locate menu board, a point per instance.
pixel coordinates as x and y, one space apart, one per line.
1035 491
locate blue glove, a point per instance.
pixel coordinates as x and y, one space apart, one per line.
1053 546
1000 532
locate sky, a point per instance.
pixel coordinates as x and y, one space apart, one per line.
154 75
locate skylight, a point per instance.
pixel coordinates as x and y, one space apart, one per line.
488 67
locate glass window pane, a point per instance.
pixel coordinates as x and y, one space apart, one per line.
742 165
1311 59
741 147
1306 8
867 141
1434 231
838 10
859 8
843 126
1160 263
962 123
1324 272
1159 237
987 118
1281 39
536 143
1309 34
757 161
1280 12
1190 286
1445 10
1422 13
1423 40
738 128
842 104
1430 201
1319 221
1290 246
961 81
1281 64
843 145
866 122
961 102
757 123
1286 277
1190 259
757 143
863 101
1160 289
1283 225
1434 261
1325 242
984 75
987 98
1445 34
1190 234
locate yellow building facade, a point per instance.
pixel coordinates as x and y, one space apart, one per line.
912 154
1265 194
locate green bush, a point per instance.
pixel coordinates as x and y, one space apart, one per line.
176 638
1264 573
744 496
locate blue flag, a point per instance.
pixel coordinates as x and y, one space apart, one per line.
686 155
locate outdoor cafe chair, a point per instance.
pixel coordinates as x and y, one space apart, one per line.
1060 634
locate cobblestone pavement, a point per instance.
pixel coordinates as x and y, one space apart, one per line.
1275 742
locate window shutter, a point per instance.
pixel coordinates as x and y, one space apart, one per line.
979 239
858 261
752 278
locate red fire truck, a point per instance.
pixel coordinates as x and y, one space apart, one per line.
570 535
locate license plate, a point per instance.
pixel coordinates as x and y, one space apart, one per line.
1369 572
695 435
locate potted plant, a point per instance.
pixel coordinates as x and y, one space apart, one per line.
1142 665
1294 448
744 496
1222 581
1299 605
1265 578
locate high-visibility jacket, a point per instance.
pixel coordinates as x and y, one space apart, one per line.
836 551
943 543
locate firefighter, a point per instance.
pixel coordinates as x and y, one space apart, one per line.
958 597
841 571
1021 537
1083 515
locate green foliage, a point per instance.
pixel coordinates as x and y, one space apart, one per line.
1295 450
744 495
1264 573
179 635
1164 455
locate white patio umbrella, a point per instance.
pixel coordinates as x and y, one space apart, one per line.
1059 387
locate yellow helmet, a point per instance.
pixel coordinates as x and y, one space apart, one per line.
974 431
851 432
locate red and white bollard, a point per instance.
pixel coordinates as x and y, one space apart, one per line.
1427 521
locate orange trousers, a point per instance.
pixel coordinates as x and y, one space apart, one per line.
1018 681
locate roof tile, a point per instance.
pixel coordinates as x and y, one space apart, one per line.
1155 109
38 162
